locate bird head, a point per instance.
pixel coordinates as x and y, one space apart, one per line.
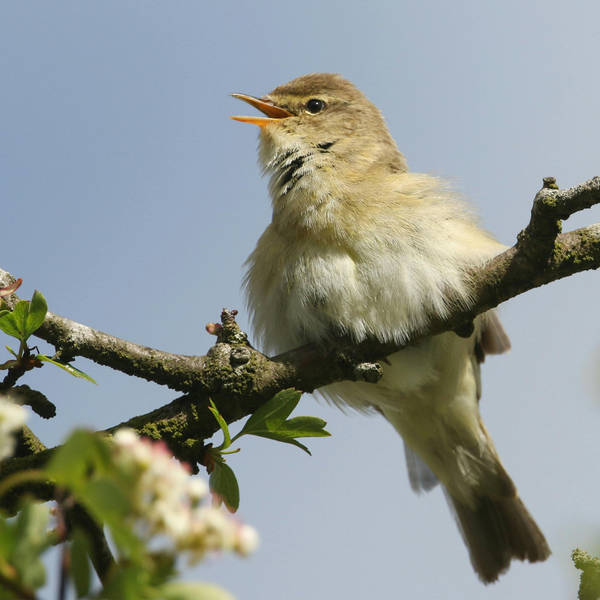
319 113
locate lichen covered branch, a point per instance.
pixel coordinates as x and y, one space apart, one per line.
550 206
239 378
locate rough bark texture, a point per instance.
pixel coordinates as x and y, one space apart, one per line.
239 378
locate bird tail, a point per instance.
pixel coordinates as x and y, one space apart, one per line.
496 530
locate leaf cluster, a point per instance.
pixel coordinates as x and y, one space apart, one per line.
269 421
21 323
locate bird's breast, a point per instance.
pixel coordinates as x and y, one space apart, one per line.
306 296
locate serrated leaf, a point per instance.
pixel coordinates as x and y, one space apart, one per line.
180 590
273 412
222 424
80 564
67 367
305 427
222 481
36 313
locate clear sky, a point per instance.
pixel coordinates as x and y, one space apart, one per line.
131 201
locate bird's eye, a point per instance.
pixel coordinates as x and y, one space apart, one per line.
314 106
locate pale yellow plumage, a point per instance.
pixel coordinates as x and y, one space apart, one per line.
361 247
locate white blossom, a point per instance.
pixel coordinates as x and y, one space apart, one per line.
12 418
247 540
167 501
198 488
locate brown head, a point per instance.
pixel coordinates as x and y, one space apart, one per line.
329 155
324 111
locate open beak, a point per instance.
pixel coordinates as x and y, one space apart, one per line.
274 113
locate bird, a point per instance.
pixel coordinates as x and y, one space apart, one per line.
360 247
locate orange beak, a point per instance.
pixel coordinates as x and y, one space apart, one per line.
274 113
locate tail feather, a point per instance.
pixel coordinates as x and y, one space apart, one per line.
495 531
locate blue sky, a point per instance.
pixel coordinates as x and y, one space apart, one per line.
131 201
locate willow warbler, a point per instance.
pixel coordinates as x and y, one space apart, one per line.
359 246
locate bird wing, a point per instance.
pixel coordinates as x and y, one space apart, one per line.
493 340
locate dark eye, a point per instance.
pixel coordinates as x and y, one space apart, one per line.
314 106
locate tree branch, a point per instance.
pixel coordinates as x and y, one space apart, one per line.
239 378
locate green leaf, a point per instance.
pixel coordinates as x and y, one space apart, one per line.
71 463
110 504
305 427
269 421
19 314
36 313
128 582
222 481
67 367
32 540
107 500
84 465
8 537
180 590
11 351
222 424
80 564
9 325
281 437
21 322
273 412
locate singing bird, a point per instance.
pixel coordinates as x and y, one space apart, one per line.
359 246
